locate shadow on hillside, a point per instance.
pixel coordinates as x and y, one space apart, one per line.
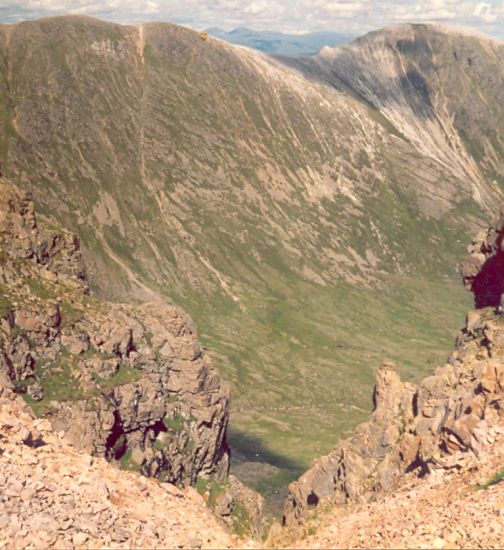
251 462
254 450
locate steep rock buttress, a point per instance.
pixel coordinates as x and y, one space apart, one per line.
128 383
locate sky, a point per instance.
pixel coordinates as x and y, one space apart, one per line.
293 16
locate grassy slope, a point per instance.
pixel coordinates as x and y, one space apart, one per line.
192 154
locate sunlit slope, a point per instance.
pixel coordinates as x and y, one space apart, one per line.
306 228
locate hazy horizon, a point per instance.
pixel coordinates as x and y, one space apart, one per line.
301 17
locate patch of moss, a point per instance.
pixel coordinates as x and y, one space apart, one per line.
69 314
59 381
127 463
242 522
210 486
158 445
41 290
497 478
125 375
39 408
5 304
174 424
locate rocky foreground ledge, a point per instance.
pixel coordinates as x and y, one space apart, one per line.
56 496
125 383
444 423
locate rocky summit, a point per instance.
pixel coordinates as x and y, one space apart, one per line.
447 422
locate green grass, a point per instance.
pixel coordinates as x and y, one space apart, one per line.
497 478
211 486
174 424
241 520
125 375
42 290
158 445
5 304
70 314
127 463
242 523
59 382
40 408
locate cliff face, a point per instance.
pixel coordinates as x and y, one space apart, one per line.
128 383
443 423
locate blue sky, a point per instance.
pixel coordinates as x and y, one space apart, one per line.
348 16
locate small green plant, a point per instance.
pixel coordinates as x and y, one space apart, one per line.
497 478
40 409
125 375
211 486
174 424
172 399
40 290
158 445
126 462
5 304
69 314
242 524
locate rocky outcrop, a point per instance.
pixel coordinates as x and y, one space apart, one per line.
127 383
444 422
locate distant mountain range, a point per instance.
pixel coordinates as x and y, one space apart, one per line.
280 43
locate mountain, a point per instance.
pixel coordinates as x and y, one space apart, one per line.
307 213
281 43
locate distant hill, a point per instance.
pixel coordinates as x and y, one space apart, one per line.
280 43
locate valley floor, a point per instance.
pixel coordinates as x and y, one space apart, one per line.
443 510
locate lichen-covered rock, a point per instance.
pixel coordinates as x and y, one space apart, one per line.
450 416
128 383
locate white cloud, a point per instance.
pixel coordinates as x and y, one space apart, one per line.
260 7
486 12
356 16
82 6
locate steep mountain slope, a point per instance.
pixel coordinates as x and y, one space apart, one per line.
310 223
